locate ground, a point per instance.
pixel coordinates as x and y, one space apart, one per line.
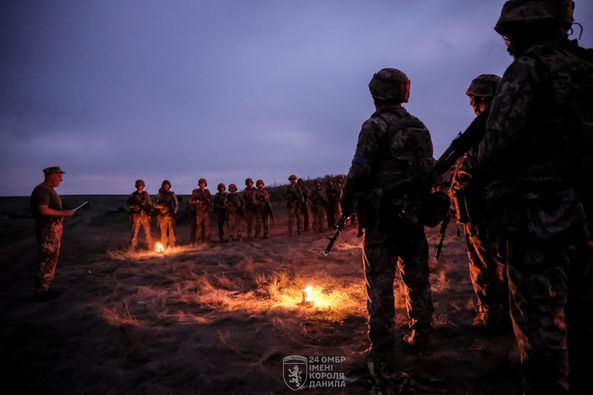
220 319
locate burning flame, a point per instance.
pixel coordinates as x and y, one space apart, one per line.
159 248
309 293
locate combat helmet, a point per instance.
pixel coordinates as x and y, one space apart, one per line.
484 85
232 187
292 177
390 85
258 182
221 185
248 180
526 12
202 180
139 182
166 182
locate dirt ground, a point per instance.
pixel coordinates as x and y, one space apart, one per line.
220 319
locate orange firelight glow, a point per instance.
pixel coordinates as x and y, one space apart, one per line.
159 248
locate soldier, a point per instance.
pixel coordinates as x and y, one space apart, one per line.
318 206
394 152
235 212
333 202
537 152
264 210
340 181
201 201
46 208
167 205
220 210
250 207
467 193
294 198
140 206
304 203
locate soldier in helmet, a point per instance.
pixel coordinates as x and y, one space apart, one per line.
380 180
250 206
467 194
294 198
201 201
167 205
304 203
220 210
46 207
333 194
537 153
264 210
140 206
235 212
318 207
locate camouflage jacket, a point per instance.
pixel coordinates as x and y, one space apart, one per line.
166 202
293 195
333 195
535 147
220 201
201 200
248 195
140 203
393 156
318 198
234 203
262 198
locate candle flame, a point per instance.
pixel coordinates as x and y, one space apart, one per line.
159 248
309 293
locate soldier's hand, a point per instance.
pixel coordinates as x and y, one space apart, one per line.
69 213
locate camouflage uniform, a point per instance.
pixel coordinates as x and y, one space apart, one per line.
140 205
48 232
318 207
536 149
201 200
294 198
264 210
167 205
250 208
467 193
235 212
220 211
333 203
304 203
394 152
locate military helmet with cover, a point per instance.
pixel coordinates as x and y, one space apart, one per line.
390 85
232 187
484 85
527 12
139 182
202 181
221 186
248 180
259 182
292 177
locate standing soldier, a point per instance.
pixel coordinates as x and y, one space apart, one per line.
264 210
393 155
537 152
318 206
235 213
467 193
304 203
201 200
340 181
333 202
167 205
46 208
250 207
294 197
140 206
220 210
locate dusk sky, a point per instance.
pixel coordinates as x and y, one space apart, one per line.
115 90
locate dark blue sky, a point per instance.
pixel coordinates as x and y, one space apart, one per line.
114 90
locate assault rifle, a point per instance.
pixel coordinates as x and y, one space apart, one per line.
464 141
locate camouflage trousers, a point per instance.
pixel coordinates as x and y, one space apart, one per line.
410 254
263 219
304 209
201 227
235 226
141 221
488 277
551 302
333 214
49 240
166 225
250 219
221 222
295 217
318 218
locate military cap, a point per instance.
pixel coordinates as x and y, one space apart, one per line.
292 177
139 182
259 182
391 85
483 85
525 12
202 180
53 170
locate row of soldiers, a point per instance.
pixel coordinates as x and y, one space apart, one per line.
250 210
